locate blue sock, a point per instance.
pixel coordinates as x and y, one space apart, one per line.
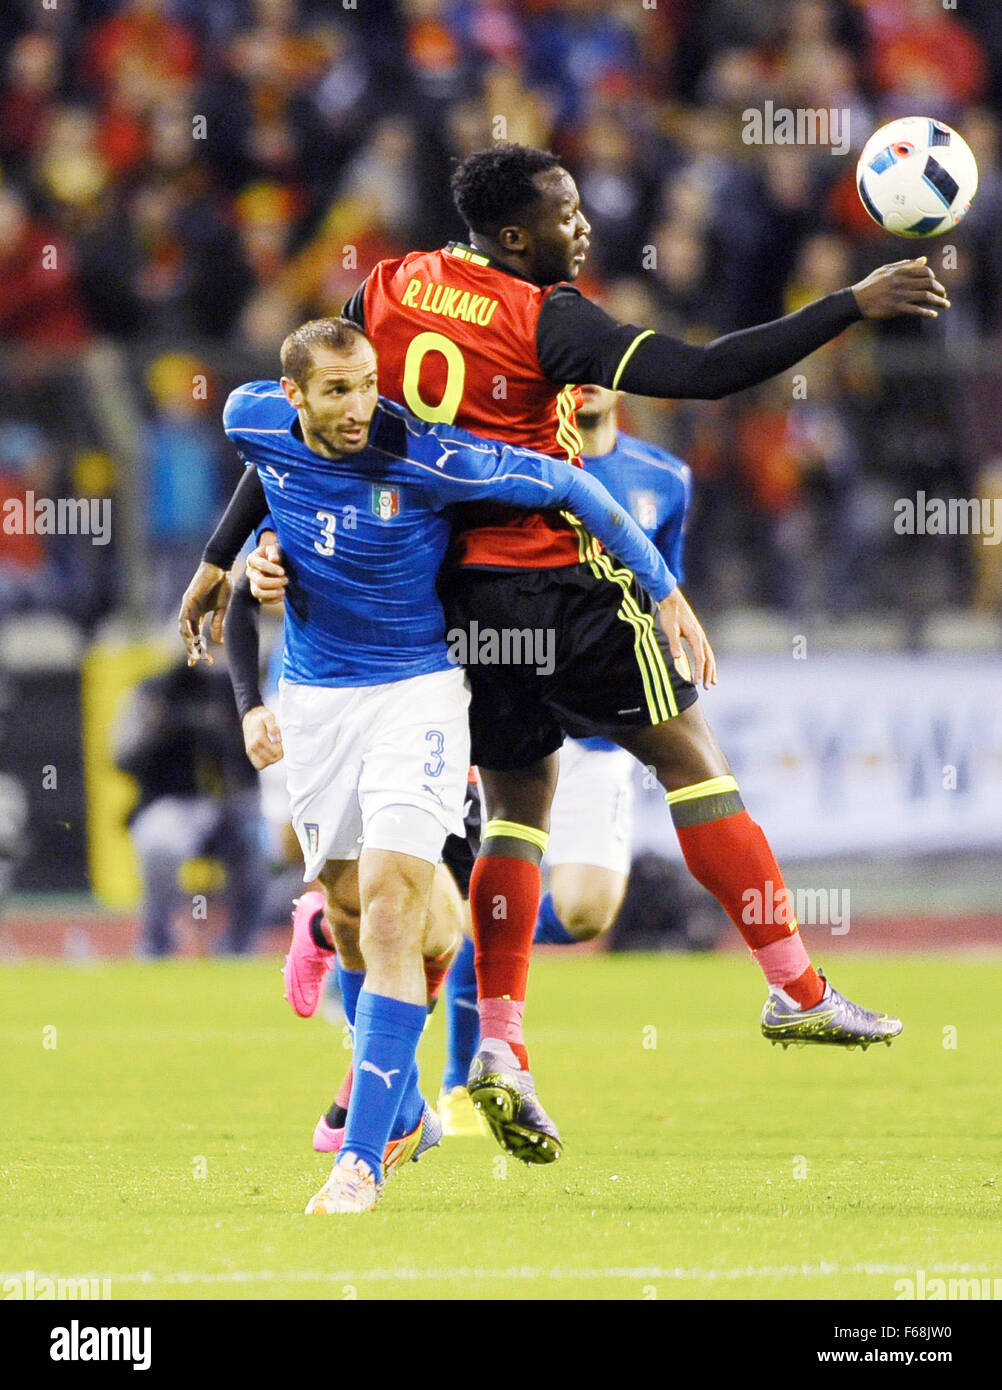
387 1033
411 1105
462 1021
550 931
349 982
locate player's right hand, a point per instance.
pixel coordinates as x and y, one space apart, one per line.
262 737
677 621
268 579
903 287
207 593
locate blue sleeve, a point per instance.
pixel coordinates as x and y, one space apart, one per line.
268 524
233 411
670 539
469 469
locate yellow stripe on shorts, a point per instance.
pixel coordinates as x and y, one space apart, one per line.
661 702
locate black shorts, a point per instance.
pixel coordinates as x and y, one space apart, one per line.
459 851
573 651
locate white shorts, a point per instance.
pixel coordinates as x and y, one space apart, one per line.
274 796
355 752
591 821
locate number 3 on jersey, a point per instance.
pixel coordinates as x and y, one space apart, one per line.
445 412
325 546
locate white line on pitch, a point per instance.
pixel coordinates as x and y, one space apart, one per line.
327 1276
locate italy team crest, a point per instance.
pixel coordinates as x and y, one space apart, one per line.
644 506
385 503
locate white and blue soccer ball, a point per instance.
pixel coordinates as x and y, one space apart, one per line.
916 177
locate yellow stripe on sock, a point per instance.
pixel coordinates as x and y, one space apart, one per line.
511 830
714 786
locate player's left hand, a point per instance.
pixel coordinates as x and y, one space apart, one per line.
677 621
903 287
207 593
262 737
268 579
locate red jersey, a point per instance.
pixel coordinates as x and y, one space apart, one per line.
456 339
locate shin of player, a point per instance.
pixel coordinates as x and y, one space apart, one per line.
443 937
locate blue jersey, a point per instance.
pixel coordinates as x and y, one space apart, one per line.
656 489
363 535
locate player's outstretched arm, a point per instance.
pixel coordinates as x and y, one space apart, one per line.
578 341
462 467
208 593
664 366
595 506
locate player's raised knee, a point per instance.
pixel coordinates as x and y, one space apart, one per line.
587 918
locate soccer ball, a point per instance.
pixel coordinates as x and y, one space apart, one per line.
916 177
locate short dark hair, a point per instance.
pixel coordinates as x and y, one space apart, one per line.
494 187
298 348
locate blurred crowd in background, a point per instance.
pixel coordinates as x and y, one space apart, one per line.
185 180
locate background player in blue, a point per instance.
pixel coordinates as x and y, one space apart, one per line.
591 820
373 715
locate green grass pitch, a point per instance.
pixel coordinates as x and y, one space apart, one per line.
157 1125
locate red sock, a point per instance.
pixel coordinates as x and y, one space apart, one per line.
504 898
435 971
732 859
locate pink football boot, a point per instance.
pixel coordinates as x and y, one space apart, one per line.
328 1137
306 965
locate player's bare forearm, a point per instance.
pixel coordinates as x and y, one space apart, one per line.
903 287
262 737
206 596
679 622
